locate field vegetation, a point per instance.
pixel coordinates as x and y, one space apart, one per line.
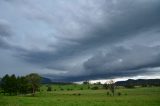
81 95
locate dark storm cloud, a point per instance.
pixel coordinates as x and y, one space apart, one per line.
5 32
119 62
121 59
133 18
3 44
64 37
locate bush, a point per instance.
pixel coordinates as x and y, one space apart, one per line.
78 94
108 93
125 94
105 86
61 89
81 88
69 89
86 82
49 88
129 86
119 94
144 85
95 88
88 87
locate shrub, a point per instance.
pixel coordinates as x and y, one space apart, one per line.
61 89
125 94
49 88
129 86
81 88
95 88
108 93
119 94
89 87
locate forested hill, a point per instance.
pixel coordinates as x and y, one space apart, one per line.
129 82
139 82
45 80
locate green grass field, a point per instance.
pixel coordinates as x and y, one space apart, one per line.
149 96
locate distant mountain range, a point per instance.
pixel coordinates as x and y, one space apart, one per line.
129 82
139 82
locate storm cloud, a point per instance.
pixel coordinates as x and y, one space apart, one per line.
5 33
81 39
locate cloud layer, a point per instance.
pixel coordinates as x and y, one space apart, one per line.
80 39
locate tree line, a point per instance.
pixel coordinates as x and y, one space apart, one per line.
12 85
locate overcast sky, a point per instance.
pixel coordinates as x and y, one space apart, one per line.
74 40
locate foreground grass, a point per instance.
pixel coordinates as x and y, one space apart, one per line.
130 97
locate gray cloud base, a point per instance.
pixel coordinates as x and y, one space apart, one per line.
68 49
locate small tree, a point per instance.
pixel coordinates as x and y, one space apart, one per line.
34 82
87 83
105 85
111 86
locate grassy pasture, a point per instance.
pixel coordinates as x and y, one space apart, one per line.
63 96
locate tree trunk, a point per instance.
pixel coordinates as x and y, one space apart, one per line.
33 91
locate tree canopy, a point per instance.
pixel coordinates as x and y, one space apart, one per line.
12 85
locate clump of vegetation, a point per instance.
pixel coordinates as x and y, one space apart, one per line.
108 93
97 83
119 94
86 82
81 88
88 87
69 89
61 89
129 86
78 94
95 88
49 88
13 85
125 94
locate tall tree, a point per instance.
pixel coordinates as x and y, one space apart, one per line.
22 85
13 84
4 83
34 82
9 84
